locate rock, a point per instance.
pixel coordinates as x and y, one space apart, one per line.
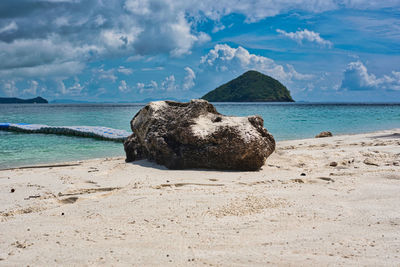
194 135
333 164
324 134
326 179
369 161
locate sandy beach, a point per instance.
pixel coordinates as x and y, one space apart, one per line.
325 201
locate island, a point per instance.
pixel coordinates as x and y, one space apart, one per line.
14 100
251 86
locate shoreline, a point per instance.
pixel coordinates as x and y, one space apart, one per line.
316 201
61 162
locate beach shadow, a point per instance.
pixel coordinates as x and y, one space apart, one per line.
388 136
149 164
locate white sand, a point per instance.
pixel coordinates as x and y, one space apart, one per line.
142 214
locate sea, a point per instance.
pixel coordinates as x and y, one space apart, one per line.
284 120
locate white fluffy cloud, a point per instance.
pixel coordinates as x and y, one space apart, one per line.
110 74
86 30
75 89
123 70
188 81
168 84
306 35
357 78
82 31
106 74
9 88
33 88
257 9
163 27
223 58
58 39
147 88
123 87
365 4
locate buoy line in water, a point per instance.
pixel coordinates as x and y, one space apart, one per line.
96 132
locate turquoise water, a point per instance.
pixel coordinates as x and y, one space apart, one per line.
284 121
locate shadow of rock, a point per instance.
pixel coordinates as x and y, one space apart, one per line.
388 136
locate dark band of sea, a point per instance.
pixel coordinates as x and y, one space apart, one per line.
284 120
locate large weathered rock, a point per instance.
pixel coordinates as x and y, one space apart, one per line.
195 135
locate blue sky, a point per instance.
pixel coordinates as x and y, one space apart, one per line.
97 50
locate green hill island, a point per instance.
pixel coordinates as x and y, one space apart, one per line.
14 100
251 86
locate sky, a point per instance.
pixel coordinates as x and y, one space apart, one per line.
133 50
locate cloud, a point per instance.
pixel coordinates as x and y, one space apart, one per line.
147 88
105 74
365 4
357 78
152 69
123 87
110 74
73 90
307 35
58 39
140 87
223 58
9 88
168 84
101 91
54 70
12 26
90 30
258 9
218 27
33 89
123 70
164 27
188 81
29 53
135 58
95 29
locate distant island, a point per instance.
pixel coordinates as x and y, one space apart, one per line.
146 100
14 100
251 86
69 101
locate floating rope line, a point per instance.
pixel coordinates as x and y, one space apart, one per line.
96 132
